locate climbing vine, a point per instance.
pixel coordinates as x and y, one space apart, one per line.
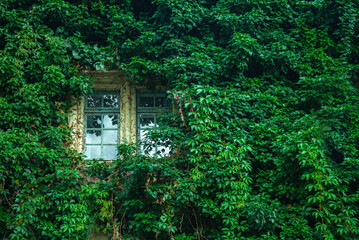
264 133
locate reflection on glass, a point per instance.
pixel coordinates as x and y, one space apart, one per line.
93 152
146 102
110 101
150 151
143 134
109 136
94 121
150 147
110 121
109 152
160 102
147 121
163 151
93 136
102 125
94 101
145 138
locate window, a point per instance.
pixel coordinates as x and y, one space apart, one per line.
118 112
149 106
102 113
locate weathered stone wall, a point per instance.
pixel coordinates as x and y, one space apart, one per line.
76 122
108 81
128 113
117 81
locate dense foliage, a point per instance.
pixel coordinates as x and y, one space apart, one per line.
265 138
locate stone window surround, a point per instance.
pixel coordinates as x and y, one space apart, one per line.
114 80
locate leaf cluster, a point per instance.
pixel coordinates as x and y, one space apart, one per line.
264 132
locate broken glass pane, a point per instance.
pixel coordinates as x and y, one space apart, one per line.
151 151
110 121
143 134
110 101
147 121
93 101
93 121
163 151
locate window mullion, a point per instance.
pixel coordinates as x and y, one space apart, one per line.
155 122
102 135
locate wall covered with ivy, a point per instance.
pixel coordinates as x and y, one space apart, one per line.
264 139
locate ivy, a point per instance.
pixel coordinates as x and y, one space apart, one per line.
264 132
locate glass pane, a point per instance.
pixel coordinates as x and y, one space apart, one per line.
146 102
93 121
163 150
160 102
94 101
110 121
109 136
144 137
151 151
109 152
147 121
110 101
93 136
93 151
143 134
